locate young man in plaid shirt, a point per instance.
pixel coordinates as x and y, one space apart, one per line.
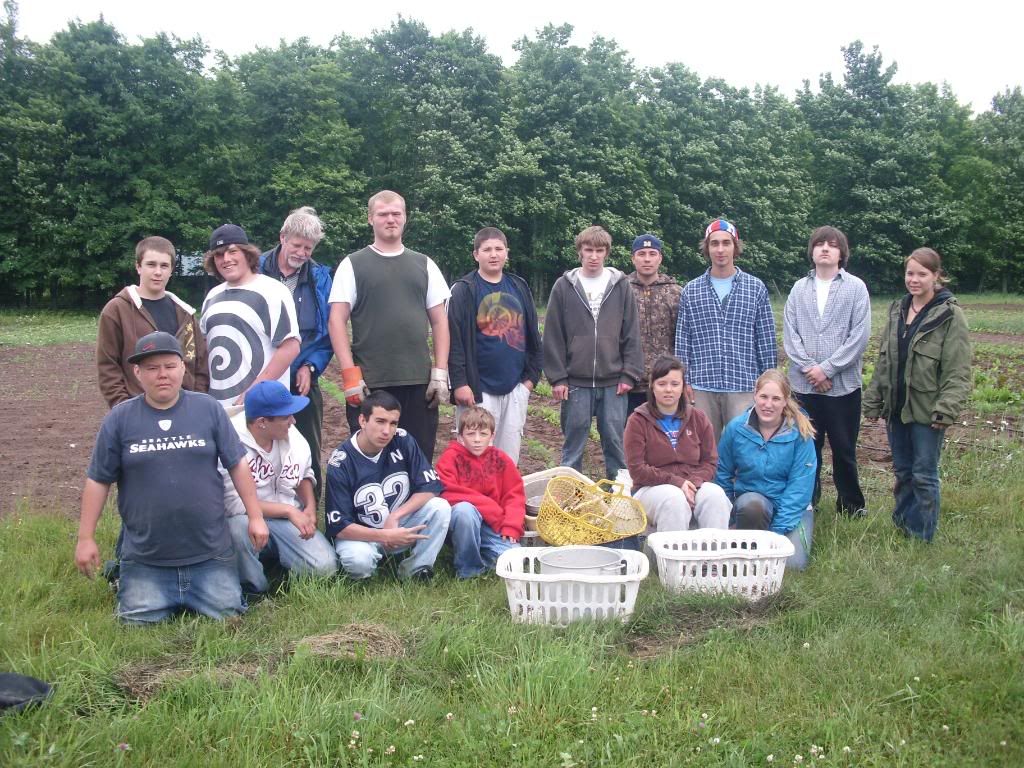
725 331
825 331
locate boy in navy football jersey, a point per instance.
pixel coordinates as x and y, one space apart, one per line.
383 496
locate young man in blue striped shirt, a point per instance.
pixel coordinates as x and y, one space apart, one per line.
725 331
825 331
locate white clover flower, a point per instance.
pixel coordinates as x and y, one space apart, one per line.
410 722
770 759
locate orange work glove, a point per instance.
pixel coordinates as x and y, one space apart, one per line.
355 387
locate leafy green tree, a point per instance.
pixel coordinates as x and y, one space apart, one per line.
575 113
428 111
295 127
31 151
877 151
715 150
997 227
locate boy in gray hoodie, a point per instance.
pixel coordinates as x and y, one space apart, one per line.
592 351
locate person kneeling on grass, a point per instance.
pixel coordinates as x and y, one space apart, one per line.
766 464
162 449
486 492
282 468
671 456
382 496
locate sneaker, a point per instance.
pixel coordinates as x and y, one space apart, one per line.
424 574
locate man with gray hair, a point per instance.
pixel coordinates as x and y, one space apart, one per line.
310 284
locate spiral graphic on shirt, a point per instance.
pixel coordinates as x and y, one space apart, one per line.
238 327
501 315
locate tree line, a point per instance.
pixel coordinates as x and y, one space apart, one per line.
105 141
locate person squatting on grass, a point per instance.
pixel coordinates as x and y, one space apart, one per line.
826 326
495 358
592 352
248 320
140 310
162 449
725 331
921 383
383 496
281 466
671 456
486 492
766 465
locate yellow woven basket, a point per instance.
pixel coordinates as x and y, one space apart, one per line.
581 512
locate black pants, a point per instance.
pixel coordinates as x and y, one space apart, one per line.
634 401
309 421
418 420
837 418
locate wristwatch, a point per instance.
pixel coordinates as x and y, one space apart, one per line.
312 368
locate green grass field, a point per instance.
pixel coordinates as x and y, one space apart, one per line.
885 652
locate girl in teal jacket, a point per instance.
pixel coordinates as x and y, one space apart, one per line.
766 464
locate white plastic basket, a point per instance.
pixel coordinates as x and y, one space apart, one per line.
745 563
559 599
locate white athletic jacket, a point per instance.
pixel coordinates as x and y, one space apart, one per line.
273 483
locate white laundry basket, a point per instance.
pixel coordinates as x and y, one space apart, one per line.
558 599
745 563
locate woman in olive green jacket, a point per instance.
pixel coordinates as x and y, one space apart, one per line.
921 383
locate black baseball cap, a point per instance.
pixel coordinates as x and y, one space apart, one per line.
156 343
228 234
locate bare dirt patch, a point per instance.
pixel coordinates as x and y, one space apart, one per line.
51 408
998 338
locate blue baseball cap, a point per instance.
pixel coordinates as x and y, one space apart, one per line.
270 399
647 240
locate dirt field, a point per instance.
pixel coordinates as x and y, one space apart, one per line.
51 409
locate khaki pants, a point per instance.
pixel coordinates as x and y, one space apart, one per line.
722 407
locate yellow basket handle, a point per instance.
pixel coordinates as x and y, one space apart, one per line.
612 486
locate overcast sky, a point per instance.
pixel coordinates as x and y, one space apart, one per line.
974 46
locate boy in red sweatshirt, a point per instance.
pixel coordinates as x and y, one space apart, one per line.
486 493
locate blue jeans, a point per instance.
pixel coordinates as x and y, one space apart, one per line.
312 557
915 462
151 593
359 558
610 409
477 546
752 511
